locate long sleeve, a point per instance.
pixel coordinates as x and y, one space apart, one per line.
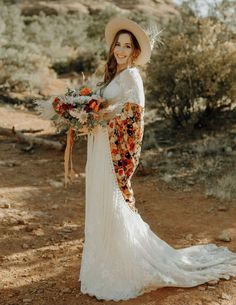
126 133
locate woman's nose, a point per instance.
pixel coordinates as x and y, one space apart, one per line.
121 49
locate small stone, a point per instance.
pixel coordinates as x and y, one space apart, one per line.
55 206
170 154
27 300
228 149
222 208
224 236
54 183
66 290
189 236
67 230
211 287
21 222
6 206
47 255
213 282
201 288
29 228
25 246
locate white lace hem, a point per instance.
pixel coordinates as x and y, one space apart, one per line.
122 258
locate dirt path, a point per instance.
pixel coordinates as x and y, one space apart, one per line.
42 226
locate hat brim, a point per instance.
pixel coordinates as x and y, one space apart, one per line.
117 24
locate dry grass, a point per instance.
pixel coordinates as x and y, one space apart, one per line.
224 188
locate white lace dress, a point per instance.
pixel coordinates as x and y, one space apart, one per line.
122 258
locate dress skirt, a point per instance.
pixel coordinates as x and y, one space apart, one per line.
122 257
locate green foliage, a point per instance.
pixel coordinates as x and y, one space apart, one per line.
31 46
195 70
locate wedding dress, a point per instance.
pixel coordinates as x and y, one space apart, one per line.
122 258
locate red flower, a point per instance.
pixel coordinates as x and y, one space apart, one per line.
120 172
85 91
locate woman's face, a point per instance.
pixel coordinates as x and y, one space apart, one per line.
123 51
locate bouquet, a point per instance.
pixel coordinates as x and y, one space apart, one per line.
78 110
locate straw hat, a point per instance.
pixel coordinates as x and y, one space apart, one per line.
116 24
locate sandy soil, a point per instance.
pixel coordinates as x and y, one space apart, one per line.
42 225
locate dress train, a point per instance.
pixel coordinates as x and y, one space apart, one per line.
122 258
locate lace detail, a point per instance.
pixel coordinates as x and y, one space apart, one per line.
132 86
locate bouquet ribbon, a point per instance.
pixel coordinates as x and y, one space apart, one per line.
68 164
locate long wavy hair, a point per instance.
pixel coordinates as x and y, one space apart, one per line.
111 64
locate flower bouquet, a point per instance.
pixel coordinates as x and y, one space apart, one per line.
80 110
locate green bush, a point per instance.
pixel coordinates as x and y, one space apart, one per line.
195 71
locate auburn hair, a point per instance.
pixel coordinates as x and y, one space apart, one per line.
111 64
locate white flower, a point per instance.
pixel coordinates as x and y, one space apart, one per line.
79 115
45 109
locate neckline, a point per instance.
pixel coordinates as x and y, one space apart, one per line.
117 75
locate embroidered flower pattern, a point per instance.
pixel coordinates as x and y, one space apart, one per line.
125 136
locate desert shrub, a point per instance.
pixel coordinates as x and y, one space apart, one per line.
223 188
31 46
195 71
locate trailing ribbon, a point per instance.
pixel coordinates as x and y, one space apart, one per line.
68 164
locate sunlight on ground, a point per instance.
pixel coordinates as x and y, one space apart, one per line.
35 265
23 119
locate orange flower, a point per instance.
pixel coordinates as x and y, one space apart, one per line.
85 91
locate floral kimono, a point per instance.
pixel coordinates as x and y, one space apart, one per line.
126 129
125 136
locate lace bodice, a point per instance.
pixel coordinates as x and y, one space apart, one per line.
126 87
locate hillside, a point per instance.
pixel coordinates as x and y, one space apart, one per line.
157 8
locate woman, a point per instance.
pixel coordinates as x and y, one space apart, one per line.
122 258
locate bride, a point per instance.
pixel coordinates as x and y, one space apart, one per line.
122 258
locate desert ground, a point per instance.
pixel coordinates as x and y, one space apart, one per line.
42 223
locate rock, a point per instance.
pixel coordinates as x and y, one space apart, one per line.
66 290
201 288
27 300
213 282
5 206
47 255
211 287
21 222
167 178
25 246
67 230
55 183
189 236
31 227
224 236
55 206
222 208
228 149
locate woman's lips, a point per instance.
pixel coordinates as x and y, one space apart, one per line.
120 56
